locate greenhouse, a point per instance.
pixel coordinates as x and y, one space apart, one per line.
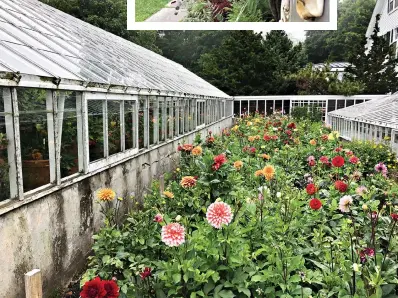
374 120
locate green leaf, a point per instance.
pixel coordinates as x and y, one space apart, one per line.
244 291
226 294
177 277
105 259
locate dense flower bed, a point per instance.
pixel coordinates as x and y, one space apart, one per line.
271 208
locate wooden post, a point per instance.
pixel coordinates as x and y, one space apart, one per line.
33 284
161 184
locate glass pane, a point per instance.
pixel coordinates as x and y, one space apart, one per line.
4 179
181 115
96 129
34 137
114 143
162 118
152 120
176 116
69 144
141 118
129 124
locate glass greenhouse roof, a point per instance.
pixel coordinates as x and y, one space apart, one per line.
376 111
36 39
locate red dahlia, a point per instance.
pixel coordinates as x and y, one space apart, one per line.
111 288
340 186
291 125
354 160
315 204
394 217
93 289
146 273
311 189
324 159
338 161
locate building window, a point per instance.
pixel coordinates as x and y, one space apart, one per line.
130 125
96 129
392 5
35 114
200 115
114 127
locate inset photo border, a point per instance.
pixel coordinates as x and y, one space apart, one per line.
177 15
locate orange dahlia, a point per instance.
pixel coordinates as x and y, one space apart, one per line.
269 172
238 164
188 182
168 194
265 156
313 142
106 194
197 151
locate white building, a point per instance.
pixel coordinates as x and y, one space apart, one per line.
388 11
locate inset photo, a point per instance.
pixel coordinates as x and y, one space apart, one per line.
233 14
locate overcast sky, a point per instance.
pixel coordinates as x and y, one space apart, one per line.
295 36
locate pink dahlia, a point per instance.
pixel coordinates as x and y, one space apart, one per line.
173 234
219 213
381 168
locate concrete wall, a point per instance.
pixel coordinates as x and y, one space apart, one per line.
54 233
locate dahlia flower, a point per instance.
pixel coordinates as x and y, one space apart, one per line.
146 273
338 161
269 172
394 217
158 217
344 204
324 159
313 142
360 190
188 182
315 204
168 194
238 164
106 194
311 161
219 213
381 168
197 151
354 160
93 289
311 189
111 288
259 173
340 186
173 234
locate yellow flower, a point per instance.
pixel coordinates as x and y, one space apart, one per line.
106 194
269 172
168 194
197 151
235 128
259 173
265 156
249 123
238 164
313 142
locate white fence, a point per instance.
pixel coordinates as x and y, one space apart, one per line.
269 104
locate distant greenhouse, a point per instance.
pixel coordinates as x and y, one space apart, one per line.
374 120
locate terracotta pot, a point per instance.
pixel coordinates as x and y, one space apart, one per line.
35 173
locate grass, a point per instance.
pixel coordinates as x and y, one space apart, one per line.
145 8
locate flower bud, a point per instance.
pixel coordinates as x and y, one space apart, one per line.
364 207
178 218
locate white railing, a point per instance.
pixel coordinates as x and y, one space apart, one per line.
285 103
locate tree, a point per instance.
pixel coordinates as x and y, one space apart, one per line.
352 24
186 47
110 15
322 81
376 69
247 64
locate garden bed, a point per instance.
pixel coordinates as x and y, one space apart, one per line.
269 208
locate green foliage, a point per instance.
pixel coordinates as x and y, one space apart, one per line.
275 245
376 69
322 81
250 11
247 64
311 112
338 45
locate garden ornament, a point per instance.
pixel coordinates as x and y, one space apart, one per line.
310 9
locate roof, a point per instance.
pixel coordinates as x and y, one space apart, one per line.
38 40
383 111
332 65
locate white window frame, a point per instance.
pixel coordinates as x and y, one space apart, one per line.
202 122
108 159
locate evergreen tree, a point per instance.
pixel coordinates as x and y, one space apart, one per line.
376 68
247 64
